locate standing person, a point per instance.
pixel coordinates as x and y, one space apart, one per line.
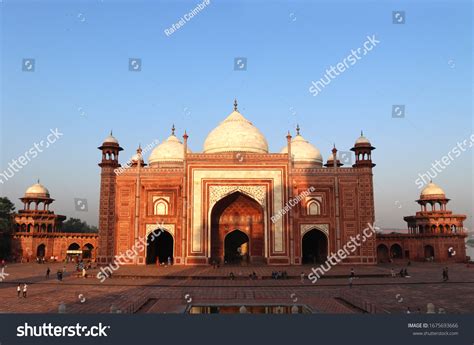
444 274
352 273
25 289
392 272
350 282
48 271
169 260
302 277
408 310
84 273
447 275
18 290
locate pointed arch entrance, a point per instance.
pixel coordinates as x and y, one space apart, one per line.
236 247
160 247
41 251
237 221
314 247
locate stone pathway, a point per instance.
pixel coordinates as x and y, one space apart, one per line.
174 290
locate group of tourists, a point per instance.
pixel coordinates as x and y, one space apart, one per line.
23 289
279 275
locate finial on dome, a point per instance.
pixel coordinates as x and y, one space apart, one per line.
185 136
235 104
297 129
361 133
38 181
173 129
139 150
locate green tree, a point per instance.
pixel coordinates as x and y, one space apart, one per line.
7 209
77 225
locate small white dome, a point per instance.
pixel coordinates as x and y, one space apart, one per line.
303 151
235 133
37 191
432 190
362 139
111 139
171 150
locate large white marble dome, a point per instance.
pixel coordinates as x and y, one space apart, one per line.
235 133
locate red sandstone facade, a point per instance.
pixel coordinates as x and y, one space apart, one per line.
434 233
38 231
226 202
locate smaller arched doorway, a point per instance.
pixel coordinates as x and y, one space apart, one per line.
429 252
314 247
74 251
396 251
41 251
236 247
87 251
160 247
382 253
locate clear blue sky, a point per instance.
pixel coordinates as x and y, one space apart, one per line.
82 86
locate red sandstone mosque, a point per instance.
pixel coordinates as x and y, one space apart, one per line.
237 202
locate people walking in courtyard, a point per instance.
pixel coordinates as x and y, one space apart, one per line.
18 290
445 274
25 289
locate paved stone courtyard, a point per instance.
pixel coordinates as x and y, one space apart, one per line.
174 289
